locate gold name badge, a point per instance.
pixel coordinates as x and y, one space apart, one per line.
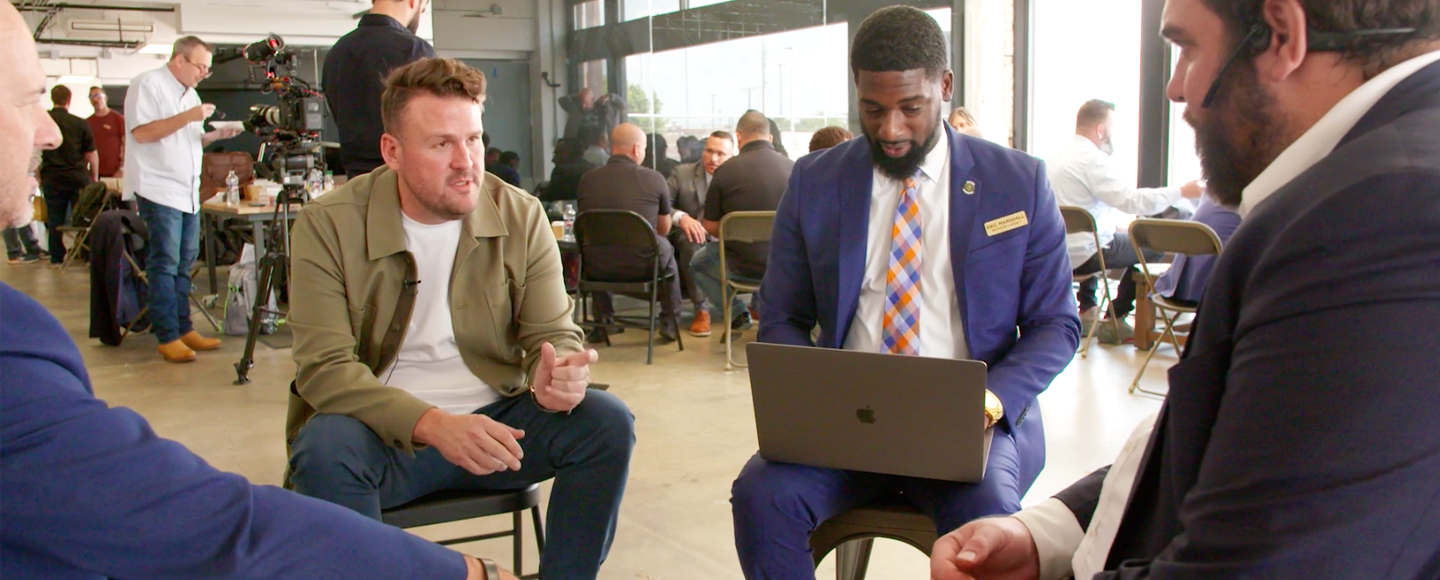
999 226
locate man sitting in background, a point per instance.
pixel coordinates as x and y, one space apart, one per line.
570 166
624 184
689 184
509 168
1085 176
433 336
828 137
754 180
1186 279
596 150
91 492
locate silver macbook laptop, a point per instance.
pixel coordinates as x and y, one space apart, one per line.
861 411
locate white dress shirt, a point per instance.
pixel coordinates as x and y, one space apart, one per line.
1061 544
429 365
941 333
1084 176
167 171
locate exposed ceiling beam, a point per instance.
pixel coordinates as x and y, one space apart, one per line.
36 7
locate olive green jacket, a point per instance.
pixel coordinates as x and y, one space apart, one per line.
349 263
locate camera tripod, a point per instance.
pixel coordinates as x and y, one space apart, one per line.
273 268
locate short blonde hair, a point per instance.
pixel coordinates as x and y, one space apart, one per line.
440 77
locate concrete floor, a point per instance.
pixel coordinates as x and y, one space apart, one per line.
694 422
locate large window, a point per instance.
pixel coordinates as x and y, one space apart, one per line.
589 14
1184 162
632 9
1086 50
690 67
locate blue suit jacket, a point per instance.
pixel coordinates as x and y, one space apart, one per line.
1016 280
90 491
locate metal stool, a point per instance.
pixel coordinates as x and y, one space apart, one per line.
852 535
457 505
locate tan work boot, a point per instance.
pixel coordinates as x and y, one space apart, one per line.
701 326
197 341
175 351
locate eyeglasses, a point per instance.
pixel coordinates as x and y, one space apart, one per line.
204 70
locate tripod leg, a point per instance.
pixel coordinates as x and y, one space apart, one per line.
262 300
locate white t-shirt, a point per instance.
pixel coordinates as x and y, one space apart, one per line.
167 171
428 365
941 335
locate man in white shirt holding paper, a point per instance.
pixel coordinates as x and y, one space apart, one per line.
1298 436
1085 176
164 143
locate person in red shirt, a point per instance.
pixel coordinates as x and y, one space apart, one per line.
109 129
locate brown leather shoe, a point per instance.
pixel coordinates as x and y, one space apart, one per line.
176 352
701 326
197 341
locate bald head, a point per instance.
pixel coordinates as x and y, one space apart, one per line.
24 125
628 139
753 126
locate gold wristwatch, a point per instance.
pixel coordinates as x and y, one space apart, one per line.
993 409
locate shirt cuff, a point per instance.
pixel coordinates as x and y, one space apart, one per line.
676 216
1057 534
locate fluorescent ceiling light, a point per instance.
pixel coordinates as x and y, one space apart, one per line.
156 49
74 80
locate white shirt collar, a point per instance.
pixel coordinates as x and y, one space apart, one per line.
1321 139
935 160
1083 143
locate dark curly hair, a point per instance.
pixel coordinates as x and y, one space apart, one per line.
1374 54
899 38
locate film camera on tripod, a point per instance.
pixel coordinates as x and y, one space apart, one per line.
290 151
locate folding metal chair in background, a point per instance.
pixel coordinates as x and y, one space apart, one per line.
1079 221
1171 237
742 227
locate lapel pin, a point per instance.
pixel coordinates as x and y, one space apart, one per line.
969 188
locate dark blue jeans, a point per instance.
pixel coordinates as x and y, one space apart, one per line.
173 246
705 267
338 459
777 505
20 242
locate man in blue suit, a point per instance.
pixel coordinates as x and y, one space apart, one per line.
91 492
913 240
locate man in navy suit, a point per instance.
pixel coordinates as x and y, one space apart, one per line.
914 240
91 492
1299 438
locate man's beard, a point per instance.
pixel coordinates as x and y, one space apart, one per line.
1238 137
437 200
901 168
414 24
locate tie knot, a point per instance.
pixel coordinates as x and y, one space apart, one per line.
909 183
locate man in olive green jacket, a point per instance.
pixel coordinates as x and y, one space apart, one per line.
434 338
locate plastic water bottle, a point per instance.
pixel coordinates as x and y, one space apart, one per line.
569 214
314 183
232 189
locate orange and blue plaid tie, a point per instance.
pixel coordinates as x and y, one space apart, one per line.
902 292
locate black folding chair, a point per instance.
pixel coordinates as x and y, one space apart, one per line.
614 229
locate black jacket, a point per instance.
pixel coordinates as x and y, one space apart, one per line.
1299 438
354 74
